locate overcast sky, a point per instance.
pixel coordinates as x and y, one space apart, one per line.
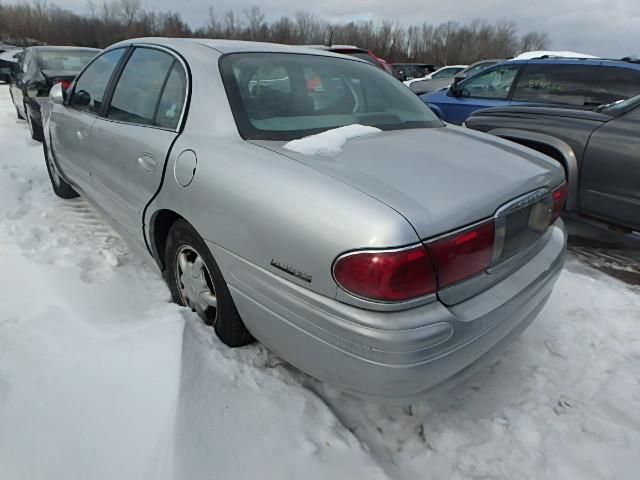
602 27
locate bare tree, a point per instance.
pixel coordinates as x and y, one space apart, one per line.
114 20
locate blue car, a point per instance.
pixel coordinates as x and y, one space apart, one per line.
582 83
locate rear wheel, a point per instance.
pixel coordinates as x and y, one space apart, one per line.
196 282
60 187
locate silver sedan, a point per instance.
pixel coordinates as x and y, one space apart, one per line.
311 201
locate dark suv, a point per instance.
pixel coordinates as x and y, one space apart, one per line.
584 83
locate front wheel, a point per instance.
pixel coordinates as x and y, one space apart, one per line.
196 282
60 187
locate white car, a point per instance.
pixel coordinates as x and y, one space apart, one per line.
444 72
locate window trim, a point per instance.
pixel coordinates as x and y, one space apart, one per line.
117 73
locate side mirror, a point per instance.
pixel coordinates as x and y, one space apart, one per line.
456 89
460 77
56 94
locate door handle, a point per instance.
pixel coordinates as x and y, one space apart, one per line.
147 162
81 134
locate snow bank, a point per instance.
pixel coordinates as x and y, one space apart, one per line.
551 53
330 143
101 377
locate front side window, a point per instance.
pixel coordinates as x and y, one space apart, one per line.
285 96
139 87
548 83
494 84
92 84
65 59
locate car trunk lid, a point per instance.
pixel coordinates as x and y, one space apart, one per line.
443 180
439 179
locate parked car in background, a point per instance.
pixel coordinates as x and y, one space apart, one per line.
9 61
447 72
439 82
357 52
188 153
583 83
599 150
39 69
409 71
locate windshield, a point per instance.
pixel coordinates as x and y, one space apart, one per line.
277 96
619 107
71 60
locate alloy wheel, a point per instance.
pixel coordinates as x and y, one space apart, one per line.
194 282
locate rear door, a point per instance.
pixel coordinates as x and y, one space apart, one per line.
70 124
555 83
611 171
130 143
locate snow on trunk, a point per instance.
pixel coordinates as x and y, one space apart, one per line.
330 142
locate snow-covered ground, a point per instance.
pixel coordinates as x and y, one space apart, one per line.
101 377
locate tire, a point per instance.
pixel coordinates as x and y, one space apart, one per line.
60 187
189 261
36 130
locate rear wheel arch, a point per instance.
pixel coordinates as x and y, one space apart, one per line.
552 147
160 225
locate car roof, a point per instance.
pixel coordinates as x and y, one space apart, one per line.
626 63
44 48
231 46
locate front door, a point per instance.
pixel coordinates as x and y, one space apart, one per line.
71 123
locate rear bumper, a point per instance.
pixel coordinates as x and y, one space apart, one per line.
394 357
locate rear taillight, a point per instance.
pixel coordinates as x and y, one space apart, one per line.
388 276
559 196
64 84
399 275
462 255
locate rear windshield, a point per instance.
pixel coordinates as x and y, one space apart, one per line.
71 60
283 96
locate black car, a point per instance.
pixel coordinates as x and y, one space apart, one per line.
408 71
9 61
599 149
39 69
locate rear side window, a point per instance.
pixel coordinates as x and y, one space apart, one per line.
494 84
549 83
92 83
614 83
172 99
139 87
